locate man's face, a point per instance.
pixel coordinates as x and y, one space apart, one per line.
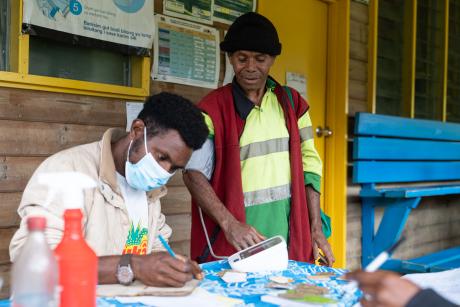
167 148
251 68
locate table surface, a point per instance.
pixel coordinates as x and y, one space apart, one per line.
251 291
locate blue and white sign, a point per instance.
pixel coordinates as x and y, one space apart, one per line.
125 22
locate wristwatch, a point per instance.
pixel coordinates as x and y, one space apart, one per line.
125 274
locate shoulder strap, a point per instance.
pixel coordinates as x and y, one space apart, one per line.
288 91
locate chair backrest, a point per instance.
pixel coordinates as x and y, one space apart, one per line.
391 149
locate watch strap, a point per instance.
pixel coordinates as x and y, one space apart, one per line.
125 260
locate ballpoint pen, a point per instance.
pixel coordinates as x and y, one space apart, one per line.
166 246
375 264
378 261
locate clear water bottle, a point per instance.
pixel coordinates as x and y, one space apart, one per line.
35 273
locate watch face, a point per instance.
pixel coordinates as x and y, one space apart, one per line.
125 275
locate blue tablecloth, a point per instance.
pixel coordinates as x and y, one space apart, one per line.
252 290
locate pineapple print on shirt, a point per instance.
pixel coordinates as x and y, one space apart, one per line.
137 240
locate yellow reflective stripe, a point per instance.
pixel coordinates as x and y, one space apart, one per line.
267 195
267 171
306 133
208 121
310 158
264 148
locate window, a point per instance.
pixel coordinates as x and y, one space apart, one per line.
4 34
55 59
390 57
416 65
453 73
429 59
36 62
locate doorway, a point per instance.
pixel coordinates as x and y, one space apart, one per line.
314 38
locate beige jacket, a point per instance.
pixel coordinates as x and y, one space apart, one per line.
105 217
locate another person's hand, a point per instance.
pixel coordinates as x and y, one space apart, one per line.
383 288
319 241
241 235
159 269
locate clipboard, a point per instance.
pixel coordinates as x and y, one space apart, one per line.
139 289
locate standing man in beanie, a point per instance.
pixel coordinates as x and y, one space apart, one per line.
258 175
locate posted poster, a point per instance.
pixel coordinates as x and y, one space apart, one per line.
229 73
195 10
185 53
226 11
297 82
118 21
132 111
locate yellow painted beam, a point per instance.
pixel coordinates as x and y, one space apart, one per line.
445 67
15 32
409 58
372 56
42 83
335 169
146 67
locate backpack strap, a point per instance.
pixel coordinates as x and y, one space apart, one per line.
288 91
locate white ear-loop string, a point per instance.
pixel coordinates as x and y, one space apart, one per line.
145 140
145 143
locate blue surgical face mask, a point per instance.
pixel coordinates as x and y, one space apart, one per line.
147 174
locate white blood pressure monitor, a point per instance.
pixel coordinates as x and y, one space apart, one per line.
268 255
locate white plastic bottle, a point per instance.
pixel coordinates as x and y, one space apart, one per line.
35 272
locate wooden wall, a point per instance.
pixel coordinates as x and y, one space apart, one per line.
34 125
435 224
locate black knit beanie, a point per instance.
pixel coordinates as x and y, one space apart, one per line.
252 32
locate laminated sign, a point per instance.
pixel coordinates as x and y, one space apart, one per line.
186 53
124 22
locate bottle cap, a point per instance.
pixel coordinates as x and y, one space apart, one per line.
36 223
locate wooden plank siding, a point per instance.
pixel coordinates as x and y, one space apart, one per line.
34 125
435 224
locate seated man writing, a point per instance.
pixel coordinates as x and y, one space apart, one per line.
122 216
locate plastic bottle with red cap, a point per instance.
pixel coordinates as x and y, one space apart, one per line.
77 264
35 272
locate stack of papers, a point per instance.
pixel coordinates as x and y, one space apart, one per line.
198 298
446 283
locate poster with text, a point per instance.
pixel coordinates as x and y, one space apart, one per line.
226 11
185 53
195 10
229 72
298 82
125 22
